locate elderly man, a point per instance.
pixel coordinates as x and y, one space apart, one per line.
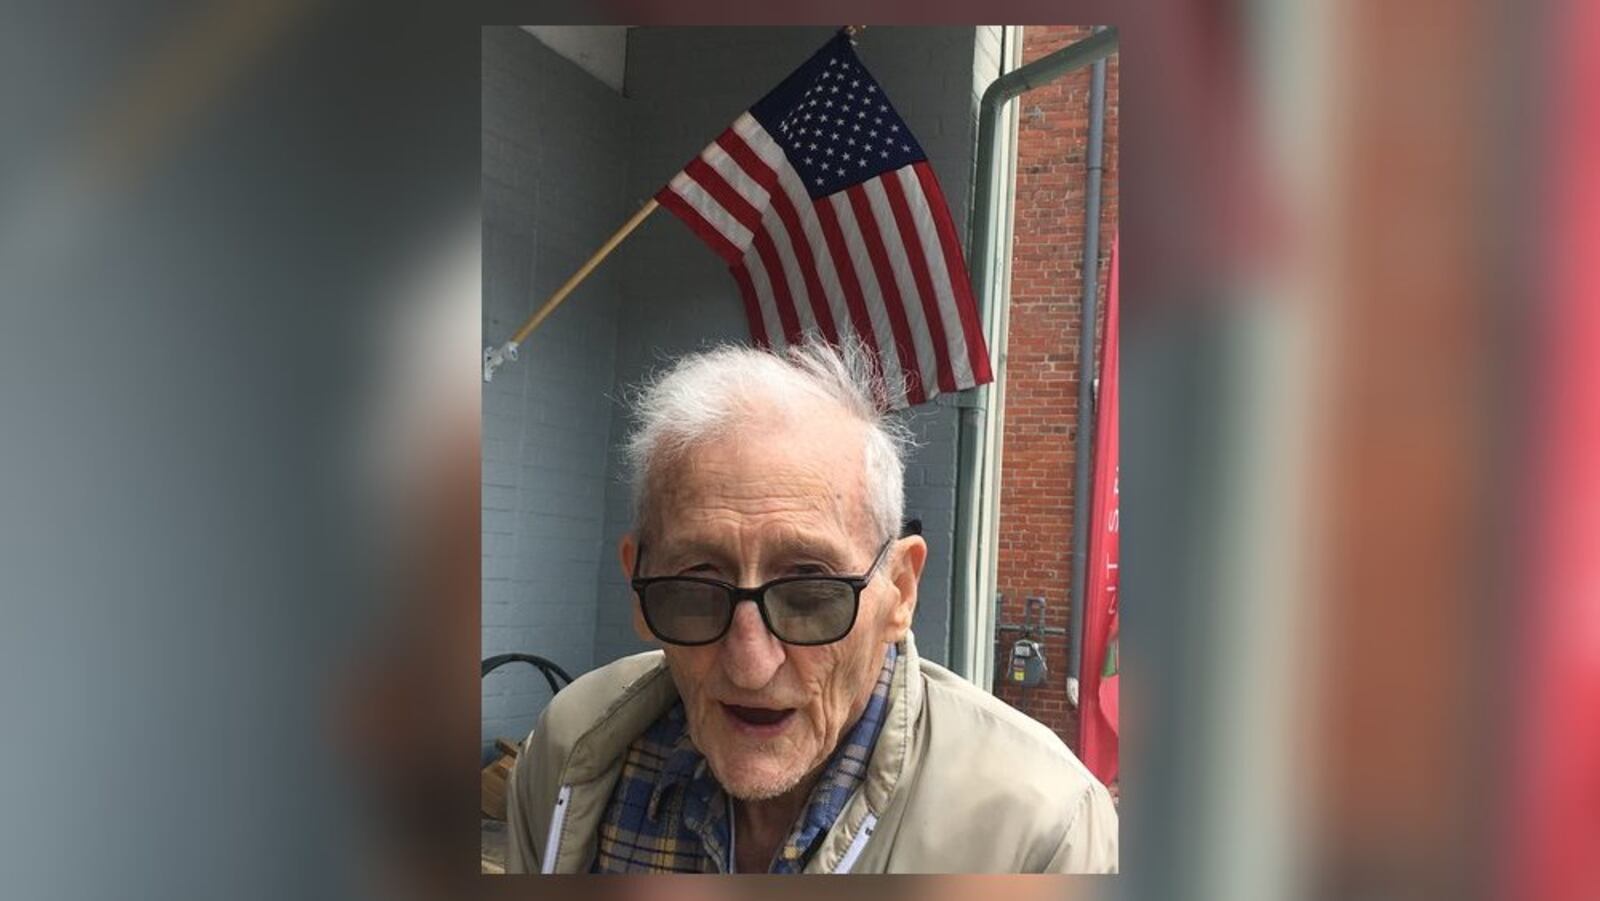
787 725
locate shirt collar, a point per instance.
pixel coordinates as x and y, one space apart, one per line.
683 765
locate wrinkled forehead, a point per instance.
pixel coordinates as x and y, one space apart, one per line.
765 473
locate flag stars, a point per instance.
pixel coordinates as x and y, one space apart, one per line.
855 83
872 89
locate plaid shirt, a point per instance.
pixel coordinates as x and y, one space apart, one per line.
667 813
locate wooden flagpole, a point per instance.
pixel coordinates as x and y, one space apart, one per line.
583 272
494 357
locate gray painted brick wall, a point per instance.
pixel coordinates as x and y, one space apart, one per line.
565 162
554 147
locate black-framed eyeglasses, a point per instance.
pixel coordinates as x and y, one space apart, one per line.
800 610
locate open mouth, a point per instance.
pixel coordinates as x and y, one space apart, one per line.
758 718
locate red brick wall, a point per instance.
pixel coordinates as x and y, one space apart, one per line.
1036 497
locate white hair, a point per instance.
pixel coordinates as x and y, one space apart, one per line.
706 395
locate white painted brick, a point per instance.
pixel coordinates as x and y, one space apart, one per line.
499 497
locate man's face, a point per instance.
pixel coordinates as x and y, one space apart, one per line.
776 500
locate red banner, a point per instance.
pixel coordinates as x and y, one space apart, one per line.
1554 695
1097 681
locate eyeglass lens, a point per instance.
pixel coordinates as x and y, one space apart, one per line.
800 611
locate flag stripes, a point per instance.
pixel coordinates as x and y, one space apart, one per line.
878 261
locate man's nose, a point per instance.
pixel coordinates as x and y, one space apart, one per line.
751 654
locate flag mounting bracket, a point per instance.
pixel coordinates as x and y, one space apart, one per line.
495 357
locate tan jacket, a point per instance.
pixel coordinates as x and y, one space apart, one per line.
959 782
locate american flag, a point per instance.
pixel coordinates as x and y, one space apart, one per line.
828 215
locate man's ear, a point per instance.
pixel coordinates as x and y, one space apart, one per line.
627 553
905 572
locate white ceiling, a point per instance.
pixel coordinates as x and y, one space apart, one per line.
601 50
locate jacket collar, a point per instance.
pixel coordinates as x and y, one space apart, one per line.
892 754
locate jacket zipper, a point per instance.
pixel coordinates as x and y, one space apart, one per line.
552 842
856 844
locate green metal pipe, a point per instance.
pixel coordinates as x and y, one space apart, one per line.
1083 449
974 412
